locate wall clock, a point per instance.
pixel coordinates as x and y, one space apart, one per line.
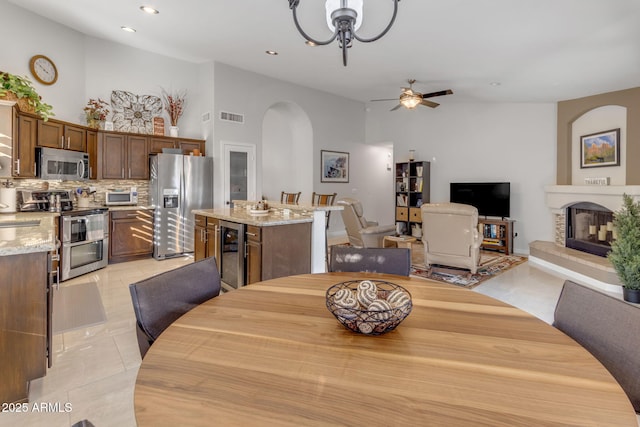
43 69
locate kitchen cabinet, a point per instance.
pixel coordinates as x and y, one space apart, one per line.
55 134
254 254
156 144
92 150
204 244
130 235
24 323
278 251
25 131
123 156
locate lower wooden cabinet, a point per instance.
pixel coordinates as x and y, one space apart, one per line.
130 235
204 239
24 323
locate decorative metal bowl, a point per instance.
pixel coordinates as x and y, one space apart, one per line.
373 318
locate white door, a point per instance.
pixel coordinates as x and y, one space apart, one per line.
239 172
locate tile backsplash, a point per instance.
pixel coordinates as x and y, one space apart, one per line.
100 185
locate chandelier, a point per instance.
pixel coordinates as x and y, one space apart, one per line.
344 17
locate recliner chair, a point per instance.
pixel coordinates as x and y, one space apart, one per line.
450 235
362 233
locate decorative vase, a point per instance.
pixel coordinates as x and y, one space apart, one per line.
93 123
631 295
173 131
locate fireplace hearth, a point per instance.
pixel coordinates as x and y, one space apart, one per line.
589 228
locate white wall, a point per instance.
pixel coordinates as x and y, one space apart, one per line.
90 68
480 142
337 124
25 34
594 121
111 66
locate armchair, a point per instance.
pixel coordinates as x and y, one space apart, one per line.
362 233
450 235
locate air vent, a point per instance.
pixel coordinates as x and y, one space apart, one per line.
206 117
231 117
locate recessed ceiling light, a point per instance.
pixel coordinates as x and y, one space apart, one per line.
149 10
495 83
128 29
271 52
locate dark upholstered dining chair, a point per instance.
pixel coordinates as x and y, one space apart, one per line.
290 198
608 328
160 300
371 260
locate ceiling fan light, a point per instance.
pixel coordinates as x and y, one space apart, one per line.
410 101
333 5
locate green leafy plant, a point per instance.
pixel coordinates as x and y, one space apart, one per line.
23 89
625 250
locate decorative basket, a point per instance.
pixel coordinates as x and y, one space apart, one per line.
371 319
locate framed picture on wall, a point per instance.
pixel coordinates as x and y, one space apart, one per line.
600 149
334 166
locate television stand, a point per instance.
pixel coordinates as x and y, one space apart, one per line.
497 234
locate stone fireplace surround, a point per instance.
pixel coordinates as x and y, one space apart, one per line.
594 269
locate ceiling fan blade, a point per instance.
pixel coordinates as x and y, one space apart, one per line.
396 107
390 99
439 93
429 103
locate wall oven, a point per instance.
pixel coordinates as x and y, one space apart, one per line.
85 241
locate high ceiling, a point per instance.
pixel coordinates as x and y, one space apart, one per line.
532 50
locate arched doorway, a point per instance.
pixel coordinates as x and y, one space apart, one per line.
287 151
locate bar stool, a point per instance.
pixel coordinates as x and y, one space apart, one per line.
318 199
290 198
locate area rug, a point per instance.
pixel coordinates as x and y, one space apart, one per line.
77 306
491 265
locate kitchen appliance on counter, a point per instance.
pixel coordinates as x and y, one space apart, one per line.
66 165
178 185
121 197
8 197
45 201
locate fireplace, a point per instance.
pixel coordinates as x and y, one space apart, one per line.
589 228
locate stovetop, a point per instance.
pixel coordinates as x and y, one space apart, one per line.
83 211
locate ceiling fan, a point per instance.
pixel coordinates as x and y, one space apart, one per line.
410 98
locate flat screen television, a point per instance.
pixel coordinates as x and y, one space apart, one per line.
490 198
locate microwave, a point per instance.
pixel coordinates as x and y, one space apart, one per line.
66 165
120 198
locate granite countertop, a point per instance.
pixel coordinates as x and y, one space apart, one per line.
242 216
119 207
291 207
16 240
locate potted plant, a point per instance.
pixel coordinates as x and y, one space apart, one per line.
96 112
625 249
174 105
21 90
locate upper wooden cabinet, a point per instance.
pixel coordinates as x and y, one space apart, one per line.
123 156
54 134
25 128
156 144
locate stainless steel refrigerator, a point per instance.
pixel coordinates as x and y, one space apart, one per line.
178 185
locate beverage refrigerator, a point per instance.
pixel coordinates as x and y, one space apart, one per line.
178 185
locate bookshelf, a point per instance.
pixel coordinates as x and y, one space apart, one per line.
412 182
497 234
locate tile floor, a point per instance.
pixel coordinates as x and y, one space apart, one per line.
95 368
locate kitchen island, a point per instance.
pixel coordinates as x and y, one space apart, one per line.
286 240
26 239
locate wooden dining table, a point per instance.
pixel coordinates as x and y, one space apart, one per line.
271 354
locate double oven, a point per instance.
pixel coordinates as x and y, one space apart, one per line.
84 241
83 232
